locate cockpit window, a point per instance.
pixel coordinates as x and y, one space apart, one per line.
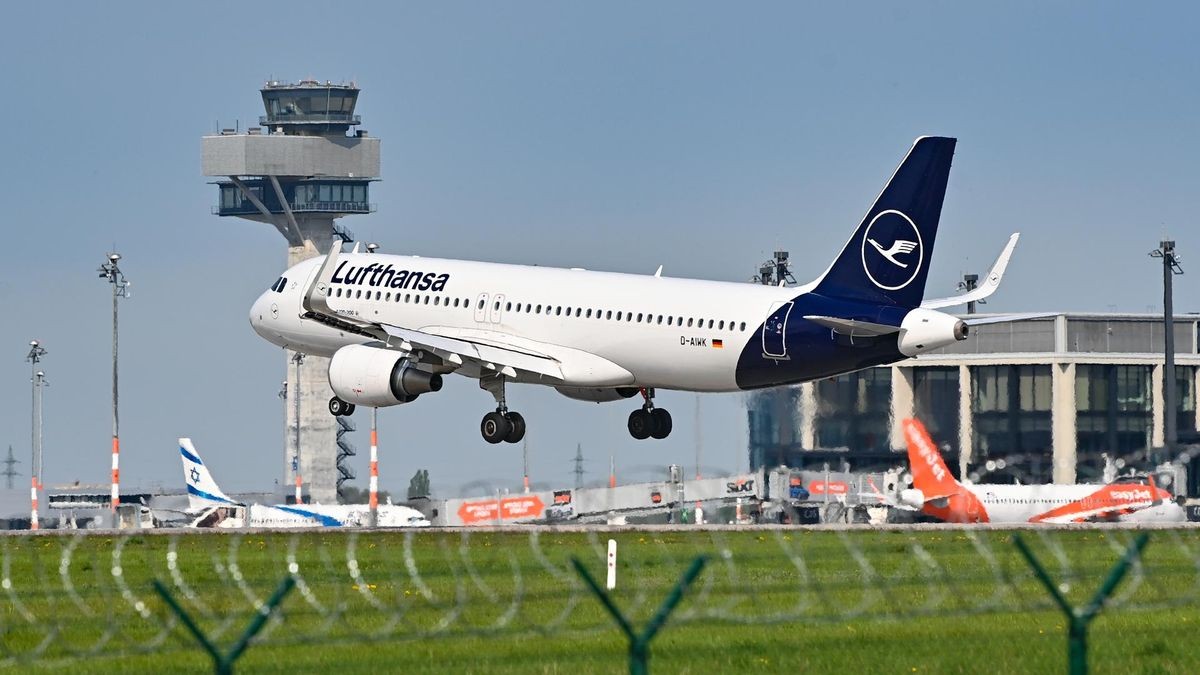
279 284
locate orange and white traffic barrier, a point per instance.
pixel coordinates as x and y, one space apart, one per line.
299 494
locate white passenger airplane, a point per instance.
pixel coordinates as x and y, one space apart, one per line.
213 508
936 493
394 325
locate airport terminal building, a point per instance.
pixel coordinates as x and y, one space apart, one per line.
1038 400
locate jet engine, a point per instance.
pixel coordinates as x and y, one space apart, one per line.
924 329
376 377
912 498
598 394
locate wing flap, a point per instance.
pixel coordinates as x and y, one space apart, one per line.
487 356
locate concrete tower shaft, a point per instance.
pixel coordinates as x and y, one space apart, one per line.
299 171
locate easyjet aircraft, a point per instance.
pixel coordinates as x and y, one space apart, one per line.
394 325
936 493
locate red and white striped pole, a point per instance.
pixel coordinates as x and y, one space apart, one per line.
299 490
33 515
116 479
374 480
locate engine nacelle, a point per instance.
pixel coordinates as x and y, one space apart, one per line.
598 394
375 377
912 498
925 329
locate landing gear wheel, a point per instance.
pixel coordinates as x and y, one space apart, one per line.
495 428
660 423
339 408
640 424
517 432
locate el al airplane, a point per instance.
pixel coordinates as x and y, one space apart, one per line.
213 508
936 493
394 325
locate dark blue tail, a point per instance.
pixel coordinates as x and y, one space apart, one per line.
887 259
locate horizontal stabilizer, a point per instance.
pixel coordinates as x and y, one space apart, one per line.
1006 318
853 327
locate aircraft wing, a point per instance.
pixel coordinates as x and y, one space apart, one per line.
481 352
503 360
990 283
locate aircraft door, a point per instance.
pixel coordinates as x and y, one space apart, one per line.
497 307
774 331
481 308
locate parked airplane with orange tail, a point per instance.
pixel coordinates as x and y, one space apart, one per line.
935 492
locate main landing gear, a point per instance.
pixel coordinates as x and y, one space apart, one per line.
502 425
339 408
648 421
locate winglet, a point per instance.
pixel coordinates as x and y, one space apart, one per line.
991 283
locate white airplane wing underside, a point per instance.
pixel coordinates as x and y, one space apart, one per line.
480 351
990 283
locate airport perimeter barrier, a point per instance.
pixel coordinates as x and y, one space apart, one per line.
510 599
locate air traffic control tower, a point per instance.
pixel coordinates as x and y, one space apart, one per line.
301 169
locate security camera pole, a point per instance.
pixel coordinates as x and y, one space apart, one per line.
36 378
120 289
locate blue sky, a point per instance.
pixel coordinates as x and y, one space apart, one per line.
620 136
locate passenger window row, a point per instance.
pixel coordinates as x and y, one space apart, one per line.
551 310
628 317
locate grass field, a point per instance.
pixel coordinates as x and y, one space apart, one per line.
768 601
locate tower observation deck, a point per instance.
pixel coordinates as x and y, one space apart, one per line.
307 164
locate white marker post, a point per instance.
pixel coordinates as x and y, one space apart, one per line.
611 582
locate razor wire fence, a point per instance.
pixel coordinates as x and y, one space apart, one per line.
512 600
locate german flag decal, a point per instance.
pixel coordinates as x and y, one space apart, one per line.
718 344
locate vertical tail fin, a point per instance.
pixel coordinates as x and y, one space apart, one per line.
202 490
929 471
887 259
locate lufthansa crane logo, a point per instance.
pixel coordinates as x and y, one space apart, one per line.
895 252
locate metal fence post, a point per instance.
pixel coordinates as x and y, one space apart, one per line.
639 644
1079 618
223 663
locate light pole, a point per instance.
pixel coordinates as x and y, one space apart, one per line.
120 289
36 378
1166 251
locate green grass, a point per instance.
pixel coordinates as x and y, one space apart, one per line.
944 601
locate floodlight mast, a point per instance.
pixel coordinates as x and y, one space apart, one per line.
1171 267
36 379
111 272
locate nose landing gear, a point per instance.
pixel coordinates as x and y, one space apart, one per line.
648 421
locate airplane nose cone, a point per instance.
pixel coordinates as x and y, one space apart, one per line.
261 313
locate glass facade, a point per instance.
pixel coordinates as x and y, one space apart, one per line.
1114 413
1011 407
774 421
309 104
854 410
935 403
1185 399
327 196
